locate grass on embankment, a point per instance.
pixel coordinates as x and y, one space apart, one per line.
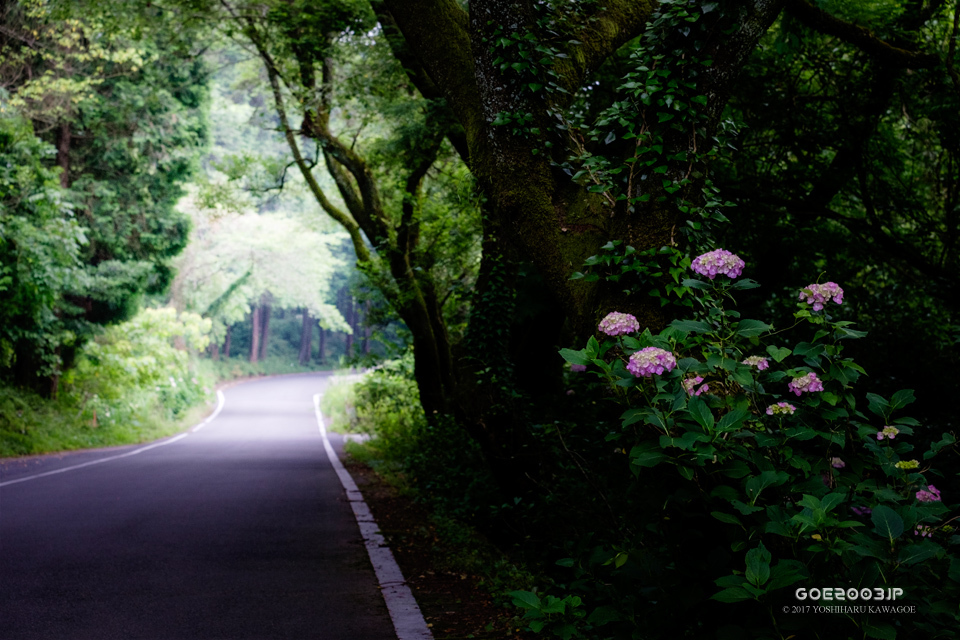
31 424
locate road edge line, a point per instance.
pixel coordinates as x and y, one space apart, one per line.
221 400
407 618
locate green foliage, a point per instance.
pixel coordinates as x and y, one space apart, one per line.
40 245
139 364
138 381
783 481
124 108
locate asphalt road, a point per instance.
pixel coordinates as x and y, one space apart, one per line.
237 531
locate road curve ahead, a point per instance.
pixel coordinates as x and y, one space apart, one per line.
239 530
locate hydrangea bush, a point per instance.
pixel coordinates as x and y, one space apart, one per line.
803 481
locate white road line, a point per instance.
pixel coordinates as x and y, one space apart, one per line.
220 402
407 619
221 399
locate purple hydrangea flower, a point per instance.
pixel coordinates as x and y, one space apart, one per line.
861 511
617 323
578 368
805 384
649 361
888 432
930 494
781 409
820 294
759 362
690 383
718 262
837 463
924 531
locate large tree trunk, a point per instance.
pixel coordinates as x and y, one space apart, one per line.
306 338
226 345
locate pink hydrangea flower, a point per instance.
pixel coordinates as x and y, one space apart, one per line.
649 361
837 463
718 262
888 432
690 383
806 384
781 409
759 362
617 323
820 294
578 368
930 494
924 531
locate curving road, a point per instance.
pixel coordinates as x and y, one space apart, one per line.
239 530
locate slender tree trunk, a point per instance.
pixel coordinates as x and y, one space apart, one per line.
215 350
306 338
322 351
255 334
63 154
367 329
265 329
226 346
348 316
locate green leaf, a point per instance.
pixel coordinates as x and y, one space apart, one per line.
758 565
786 572
733 594
887 522
726 517
575 357
604 615
733 420
525 599
878 405
745 283
881 630
778 353
901 399
749 328
914 553
691 326
701 413
647 454
757 484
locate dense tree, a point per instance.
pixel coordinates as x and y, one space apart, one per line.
123 108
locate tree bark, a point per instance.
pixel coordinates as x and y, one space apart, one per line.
63 153
322 350
265 310
367 329
306 338
348 316
255 334
226 345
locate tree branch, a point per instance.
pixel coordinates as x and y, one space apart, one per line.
345 221
861 37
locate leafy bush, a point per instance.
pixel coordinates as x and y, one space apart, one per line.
758 470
